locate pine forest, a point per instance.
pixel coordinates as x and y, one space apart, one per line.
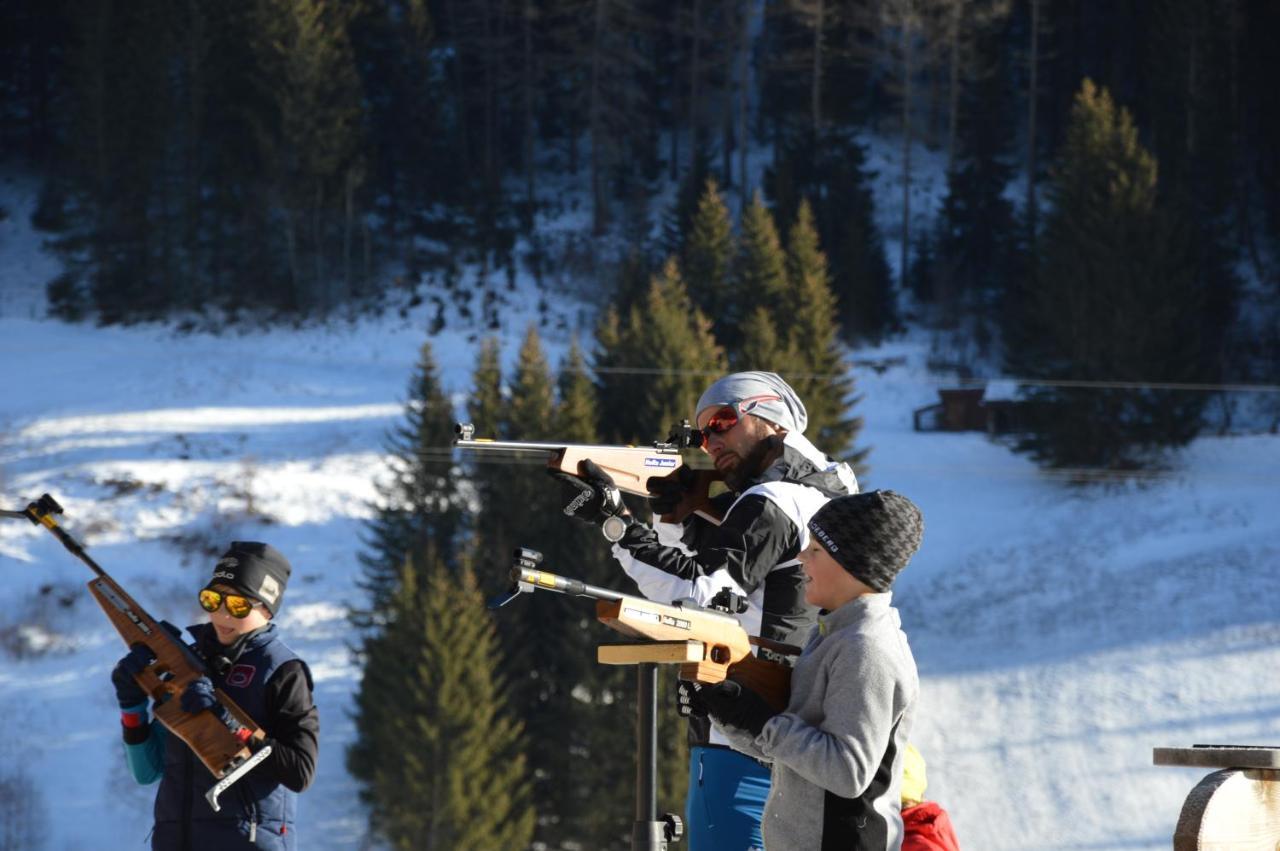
697 174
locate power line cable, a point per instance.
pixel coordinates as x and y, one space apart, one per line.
1002 379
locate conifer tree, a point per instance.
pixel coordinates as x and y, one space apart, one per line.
448 769
532 409
315 148
974 256
419 504
487 408
763 348
590 804
677 224
612 384
116 66
825 385
706 265
1116 300
669 344
830 171
576 412
759 272
544 638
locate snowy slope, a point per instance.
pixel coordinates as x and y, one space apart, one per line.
1061 632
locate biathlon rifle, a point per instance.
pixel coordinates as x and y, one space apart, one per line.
634 469
229 749
708 644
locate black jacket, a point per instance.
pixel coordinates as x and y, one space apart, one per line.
756 544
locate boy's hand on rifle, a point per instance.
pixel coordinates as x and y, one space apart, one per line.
733 705
199 696
128 692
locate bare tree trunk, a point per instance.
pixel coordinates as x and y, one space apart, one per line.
317 244
1243 219
1189 100
726 116
598 201
368 252
291 246
673 141
490 53
349 204
953 95
460 83
527 84
815 94
907 71
744 94
192 273
1032 95
695 71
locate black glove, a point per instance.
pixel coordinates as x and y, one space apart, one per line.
665 493
128 692
733 705
198 696
688 703
596 498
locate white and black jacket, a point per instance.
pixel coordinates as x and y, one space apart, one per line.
753 551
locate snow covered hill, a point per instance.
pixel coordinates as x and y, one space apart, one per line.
1062 632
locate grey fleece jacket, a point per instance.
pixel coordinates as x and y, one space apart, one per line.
837 751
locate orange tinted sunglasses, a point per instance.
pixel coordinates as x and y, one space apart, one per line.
238 606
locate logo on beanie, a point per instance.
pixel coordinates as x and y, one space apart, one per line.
269 590
821 535
224 574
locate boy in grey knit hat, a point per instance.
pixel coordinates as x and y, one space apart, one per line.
837 750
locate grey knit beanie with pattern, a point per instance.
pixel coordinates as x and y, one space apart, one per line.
872 535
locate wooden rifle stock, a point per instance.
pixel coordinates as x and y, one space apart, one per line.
632 468
228 755
708 644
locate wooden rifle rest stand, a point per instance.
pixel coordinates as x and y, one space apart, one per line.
1234 809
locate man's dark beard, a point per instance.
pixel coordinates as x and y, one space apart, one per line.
750 467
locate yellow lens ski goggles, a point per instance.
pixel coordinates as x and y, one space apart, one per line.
238 605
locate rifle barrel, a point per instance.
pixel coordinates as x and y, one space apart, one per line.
551 448
563 584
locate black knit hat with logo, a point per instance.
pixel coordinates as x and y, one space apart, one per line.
872 535
256 570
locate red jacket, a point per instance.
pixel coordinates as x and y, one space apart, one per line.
928 828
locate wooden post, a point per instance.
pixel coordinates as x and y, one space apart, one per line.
1234 809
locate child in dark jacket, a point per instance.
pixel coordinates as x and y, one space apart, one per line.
255 668
837 751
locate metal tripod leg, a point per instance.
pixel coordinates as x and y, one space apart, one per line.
649 833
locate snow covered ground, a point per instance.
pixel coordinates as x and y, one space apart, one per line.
1062 632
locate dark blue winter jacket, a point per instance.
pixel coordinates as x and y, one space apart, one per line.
269 682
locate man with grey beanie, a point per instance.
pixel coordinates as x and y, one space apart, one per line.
753 424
